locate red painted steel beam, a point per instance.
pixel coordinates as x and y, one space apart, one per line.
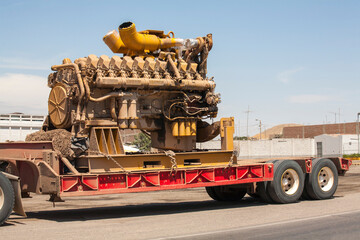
87 185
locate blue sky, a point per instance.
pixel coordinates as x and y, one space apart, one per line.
290 61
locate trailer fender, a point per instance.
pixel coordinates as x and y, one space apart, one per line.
15 182
342 165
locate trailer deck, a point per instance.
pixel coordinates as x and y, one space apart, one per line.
36 167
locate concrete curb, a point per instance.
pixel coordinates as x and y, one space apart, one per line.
355 162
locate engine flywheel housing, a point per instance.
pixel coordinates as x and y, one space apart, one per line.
58 106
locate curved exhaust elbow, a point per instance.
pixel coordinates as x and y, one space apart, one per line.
114 42
138 41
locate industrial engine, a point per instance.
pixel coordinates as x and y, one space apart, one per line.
159 86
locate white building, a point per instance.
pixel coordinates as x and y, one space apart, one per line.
15 126
326 145
278 147
336 144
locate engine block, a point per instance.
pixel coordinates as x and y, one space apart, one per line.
159 86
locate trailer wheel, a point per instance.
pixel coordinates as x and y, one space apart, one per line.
7 198
253 195
262 188
322 182
288 183
305 195
262 191
211 192
225 193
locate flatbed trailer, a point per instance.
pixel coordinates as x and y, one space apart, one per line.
34 167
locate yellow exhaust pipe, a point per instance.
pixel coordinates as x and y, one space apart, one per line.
113 41
149 42
132 42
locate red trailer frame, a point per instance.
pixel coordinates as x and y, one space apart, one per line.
163 180
36 167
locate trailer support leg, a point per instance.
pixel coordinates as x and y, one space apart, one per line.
55 198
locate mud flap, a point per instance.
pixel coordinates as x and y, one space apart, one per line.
15 182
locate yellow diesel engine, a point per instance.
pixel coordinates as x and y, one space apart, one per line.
158 86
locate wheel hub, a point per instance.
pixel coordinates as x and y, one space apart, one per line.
290 181
325 179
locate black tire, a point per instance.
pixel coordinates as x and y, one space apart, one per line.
253 195
211 192
262 191
226 193
305 195
7 198
262 188
322 187
291 172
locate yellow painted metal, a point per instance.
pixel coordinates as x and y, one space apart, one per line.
106 140
182 129
175 129
143 42
193 128
226 133
58 107
117 141
101 141
113 41
187 128
182 66
110 141
123 113
66 61
98 164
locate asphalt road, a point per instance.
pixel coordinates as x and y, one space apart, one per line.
333 226
189 214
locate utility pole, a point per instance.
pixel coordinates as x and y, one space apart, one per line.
334 114
303 131
237 129
265 132
247 121
259 126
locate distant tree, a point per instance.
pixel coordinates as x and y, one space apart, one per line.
240 138
142 142
354 155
